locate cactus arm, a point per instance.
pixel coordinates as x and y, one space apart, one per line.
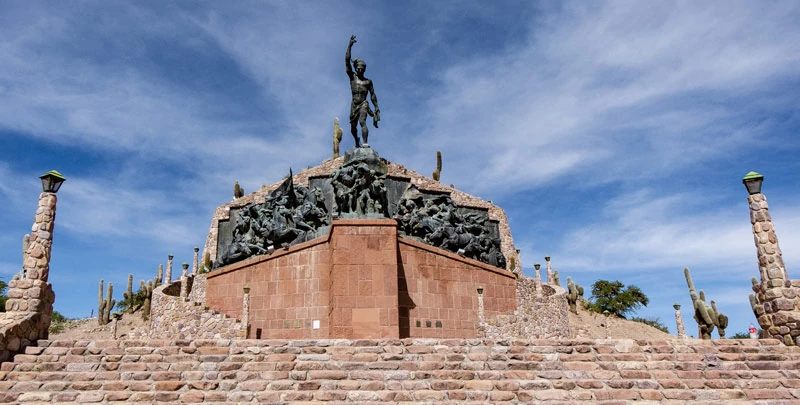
689 282
753 304
159 275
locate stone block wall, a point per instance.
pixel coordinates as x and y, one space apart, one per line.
19 330
175 317
542 315
30 295
469 371
289 290
362 281
438 294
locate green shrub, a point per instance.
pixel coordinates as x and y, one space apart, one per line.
654 322
58 322
3 296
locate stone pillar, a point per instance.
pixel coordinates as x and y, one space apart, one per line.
245 329
195 265
777 297
770 258
481 314
29 292
679 321
538 280
185 281
549 270
168 278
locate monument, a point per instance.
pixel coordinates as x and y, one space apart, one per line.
360 247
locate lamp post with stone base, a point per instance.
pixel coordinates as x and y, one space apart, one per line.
29 293
775 303
679 321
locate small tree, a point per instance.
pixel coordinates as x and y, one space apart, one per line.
614 297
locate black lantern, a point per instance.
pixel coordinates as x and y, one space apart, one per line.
51 181
753 182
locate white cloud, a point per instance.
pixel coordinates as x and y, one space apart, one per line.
567 99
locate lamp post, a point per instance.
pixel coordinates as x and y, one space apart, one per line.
244 331
770 258
679 320
36 262
549 270
481 313
776 299
29 292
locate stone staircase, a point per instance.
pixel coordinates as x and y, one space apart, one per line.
472 371
201 322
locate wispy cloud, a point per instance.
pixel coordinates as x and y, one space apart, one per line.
593 84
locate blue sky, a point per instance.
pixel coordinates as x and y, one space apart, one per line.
615 135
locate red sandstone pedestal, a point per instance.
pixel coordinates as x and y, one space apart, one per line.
360 282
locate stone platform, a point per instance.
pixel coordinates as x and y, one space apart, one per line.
396 371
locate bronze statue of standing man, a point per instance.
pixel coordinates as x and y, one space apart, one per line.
360 86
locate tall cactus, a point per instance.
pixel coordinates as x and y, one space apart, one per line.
703 314
238 191
128 294
438 172
574 293
159 275
337 137
556 280
206 263
147 291
755 303
104 305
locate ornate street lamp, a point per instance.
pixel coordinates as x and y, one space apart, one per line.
753 182
51 181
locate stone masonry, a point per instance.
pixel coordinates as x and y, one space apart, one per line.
777 300
175 317
30 297
542 313
362 281
463 371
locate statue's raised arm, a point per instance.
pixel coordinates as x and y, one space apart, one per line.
347 57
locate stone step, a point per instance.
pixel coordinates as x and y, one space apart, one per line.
403 370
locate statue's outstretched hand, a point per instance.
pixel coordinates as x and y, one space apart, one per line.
352 40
